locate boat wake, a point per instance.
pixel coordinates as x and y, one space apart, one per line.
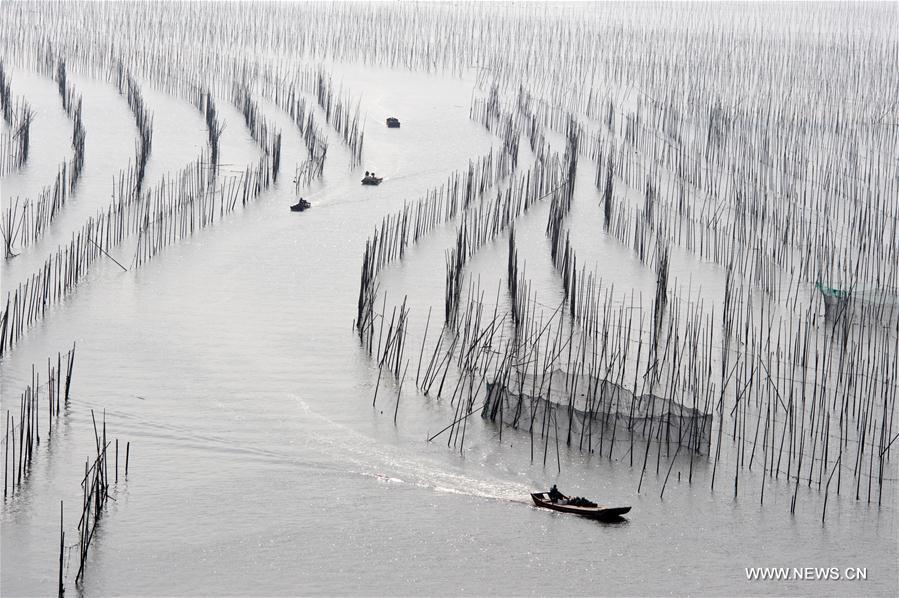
332 446
390 464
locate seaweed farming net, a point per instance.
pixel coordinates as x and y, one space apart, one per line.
584 404
869 303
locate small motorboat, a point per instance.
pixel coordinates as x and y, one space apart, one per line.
300 206
393 123
371 179
541 499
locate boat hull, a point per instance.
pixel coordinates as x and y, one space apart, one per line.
541 499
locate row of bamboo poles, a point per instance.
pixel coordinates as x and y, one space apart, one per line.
22 439
800 422
205 103
774 211
266 136
413 222
25 221
129 88
174 209
97 486
15 142
17 463
340 115
820 427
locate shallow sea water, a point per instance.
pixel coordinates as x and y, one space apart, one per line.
258 464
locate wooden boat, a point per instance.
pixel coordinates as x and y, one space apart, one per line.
393 123
300 206
372 180
541 499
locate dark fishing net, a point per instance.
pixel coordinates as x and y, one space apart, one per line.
582 406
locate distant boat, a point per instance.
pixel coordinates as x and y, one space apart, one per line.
393 123
300 206
372 180
541 499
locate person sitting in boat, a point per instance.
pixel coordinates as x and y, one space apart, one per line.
366 174
555 495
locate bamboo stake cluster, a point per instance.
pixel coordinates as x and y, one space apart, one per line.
128 87
15 139
18 453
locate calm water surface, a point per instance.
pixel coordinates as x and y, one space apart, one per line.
258 464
